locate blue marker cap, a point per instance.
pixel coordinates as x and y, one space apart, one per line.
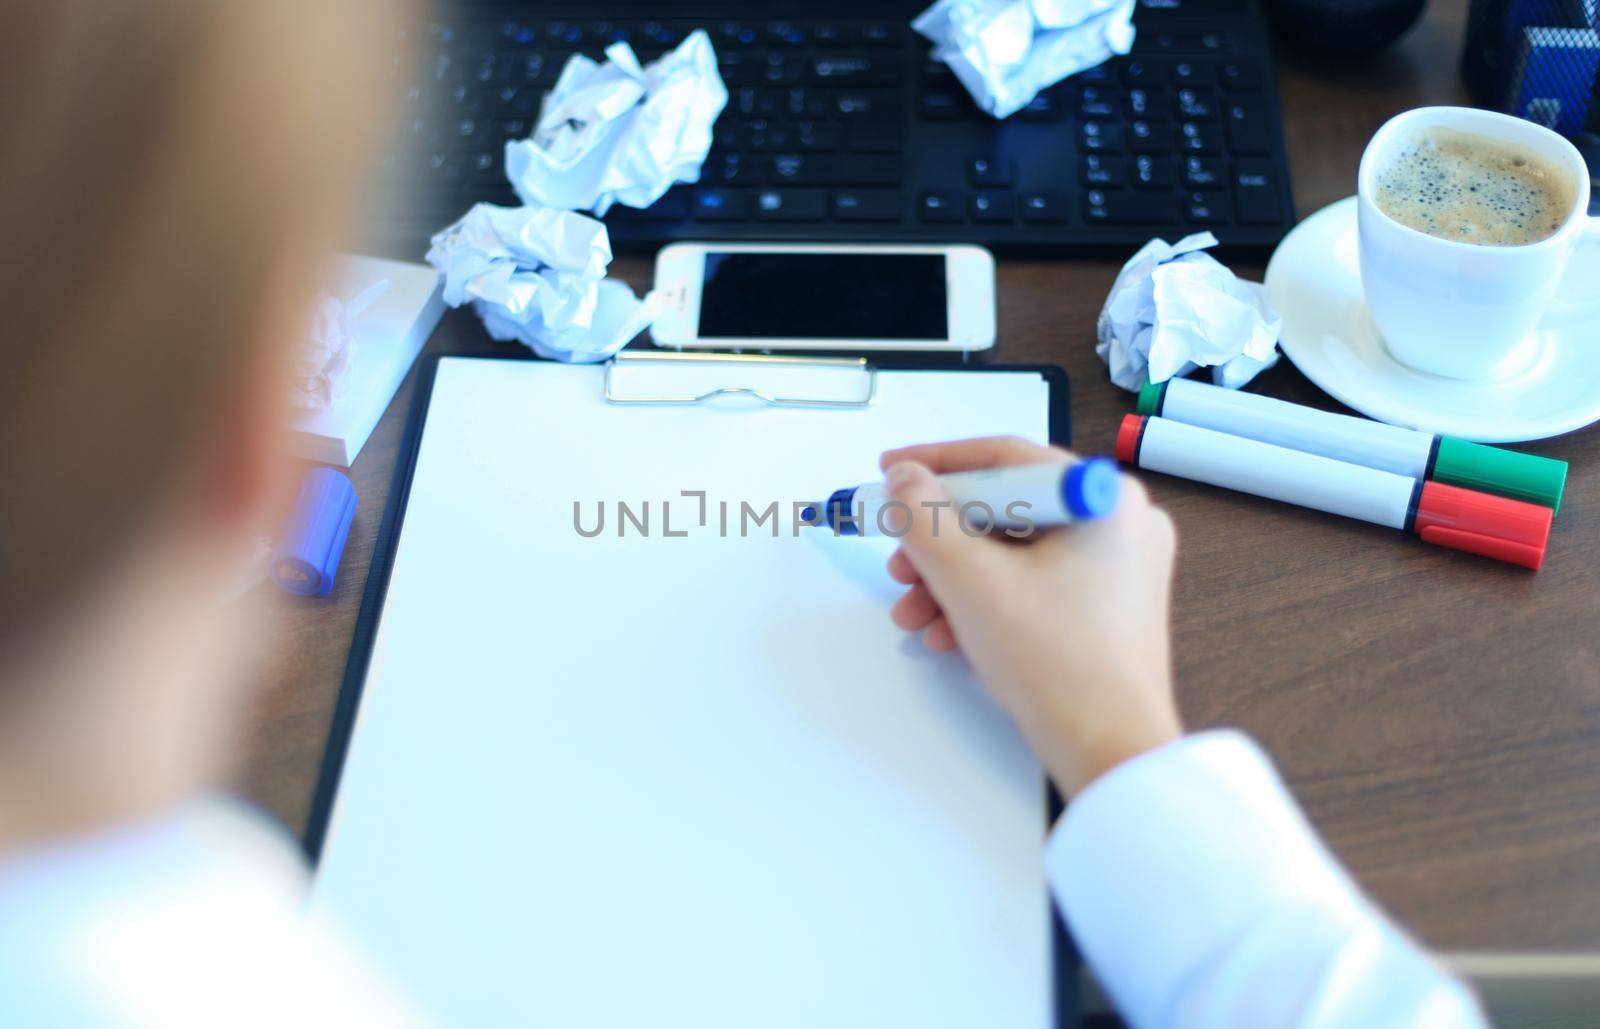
1090 488
838 513
307 558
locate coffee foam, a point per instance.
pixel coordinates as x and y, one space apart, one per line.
1472 189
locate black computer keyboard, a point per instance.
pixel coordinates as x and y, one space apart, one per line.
845 129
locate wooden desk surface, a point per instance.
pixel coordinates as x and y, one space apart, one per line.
1438 715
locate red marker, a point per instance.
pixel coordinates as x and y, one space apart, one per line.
1462 519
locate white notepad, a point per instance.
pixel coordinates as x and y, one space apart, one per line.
391 333
690 781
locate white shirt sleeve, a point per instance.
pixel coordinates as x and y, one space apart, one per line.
193 919
1201 897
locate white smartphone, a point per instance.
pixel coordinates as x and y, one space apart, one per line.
821 296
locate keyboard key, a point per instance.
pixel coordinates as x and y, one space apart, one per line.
1192 73
856 70
735 169
738 69
733 34
469 134
1215 41
673 206
940 105
1165 41
989 171
874 136
1099 75
866 170
484 168
1125 207
804 103
993 206
1098 102
1205 173
1044 208
1144 73
659 34
1046 106
791 205
604 33
535 70
1199 138
784 33
868 205
1249 131
818 135
1100 170
779 69
874 105
826 34
518 34
747 101
442 169
1099 136
1147 138
1196 105
1255 189
797 170
1240 75
935 72
1207 208
524 105
1146 103
777 102
719 205
878 34
762 135
1154 172
939 208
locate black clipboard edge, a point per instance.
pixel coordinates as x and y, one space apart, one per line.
1063 951
373 593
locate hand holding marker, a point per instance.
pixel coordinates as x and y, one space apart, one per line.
1374 490
1014 499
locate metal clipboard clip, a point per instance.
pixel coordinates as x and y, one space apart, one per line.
678 378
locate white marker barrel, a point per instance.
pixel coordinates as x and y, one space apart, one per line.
1278 473
1362 441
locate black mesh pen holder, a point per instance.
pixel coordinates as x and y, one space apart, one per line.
1539 60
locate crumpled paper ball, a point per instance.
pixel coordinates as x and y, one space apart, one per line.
1175 308
1006 51
536 276
322 361
618 132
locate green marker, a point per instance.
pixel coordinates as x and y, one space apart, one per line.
1361 441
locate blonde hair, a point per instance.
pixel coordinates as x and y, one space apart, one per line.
160 162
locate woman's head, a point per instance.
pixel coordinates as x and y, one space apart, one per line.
171 175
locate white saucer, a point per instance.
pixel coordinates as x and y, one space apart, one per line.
1315 284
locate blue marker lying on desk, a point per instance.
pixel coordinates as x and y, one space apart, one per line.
1016 500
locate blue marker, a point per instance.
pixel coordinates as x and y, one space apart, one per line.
1016 500
307 558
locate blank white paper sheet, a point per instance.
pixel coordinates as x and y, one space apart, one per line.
697 780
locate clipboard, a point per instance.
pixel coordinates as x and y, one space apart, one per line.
759 381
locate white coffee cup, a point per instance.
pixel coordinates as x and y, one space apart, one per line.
1468 310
